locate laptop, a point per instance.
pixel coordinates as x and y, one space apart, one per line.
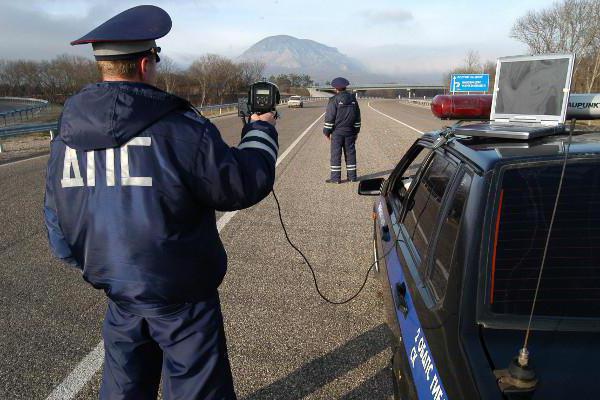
530 98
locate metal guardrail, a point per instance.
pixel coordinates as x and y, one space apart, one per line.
422 102
34 106
220 107
26 129
233 107
52 127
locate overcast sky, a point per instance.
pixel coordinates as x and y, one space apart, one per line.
398 37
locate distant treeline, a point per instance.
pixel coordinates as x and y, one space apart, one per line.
210 79
50 80
285 82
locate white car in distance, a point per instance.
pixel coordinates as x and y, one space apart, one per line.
295 101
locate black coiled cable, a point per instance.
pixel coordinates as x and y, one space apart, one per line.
312 271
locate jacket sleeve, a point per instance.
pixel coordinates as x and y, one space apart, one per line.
58 244
233 178
357 122
328 126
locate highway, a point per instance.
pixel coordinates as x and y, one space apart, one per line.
284 341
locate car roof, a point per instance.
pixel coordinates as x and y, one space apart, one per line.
487 152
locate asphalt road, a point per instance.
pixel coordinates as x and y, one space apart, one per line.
284 341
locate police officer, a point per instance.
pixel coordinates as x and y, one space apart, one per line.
342 125
133 181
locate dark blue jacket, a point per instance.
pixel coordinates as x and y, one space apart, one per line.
133 182
343 115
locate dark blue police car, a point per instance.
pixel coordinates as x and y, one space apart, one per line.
459 236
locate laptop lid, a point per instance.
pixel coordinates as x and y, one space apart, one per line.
532 88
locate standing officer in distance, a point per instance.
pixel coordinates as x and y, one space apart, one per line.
342 125
133 181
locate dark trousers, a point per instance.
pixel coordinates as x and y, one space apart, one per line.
188 347
345 142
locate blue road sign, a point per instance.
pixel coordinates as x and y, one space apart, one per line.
470 83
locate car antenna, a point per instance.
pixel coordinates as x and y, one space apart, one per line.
520 375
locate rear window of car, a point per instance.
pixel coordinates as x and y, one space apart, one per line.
570 284
295 98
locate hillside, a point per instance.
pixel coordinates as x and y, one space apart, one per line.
286 54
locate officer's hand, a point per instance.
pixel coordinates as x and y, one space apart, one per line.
328 137
267 117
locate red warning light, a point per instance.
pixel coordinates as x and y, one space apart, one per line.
462 106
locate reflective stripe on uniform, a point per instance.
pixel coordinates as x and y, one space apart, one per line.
249 142
336 167
351 167
258 145
263 135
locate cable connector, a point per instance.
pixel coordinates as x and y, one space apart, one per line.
445 136
523 357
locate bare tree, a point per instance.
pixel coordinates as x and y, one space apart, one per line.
251 71
225 78
200 72
472 63
53 80
168 74
571 26
216 77
210 79
489 67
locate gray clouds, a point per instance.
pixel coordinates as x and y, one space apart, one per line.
392 16
35 35
41 30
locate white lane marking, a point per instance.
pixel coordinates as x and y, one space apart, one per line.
87 368
79 377
26 159
298 139
394 119
225 218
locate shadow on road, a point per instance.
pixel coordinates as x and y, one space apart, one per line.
373 387
319 372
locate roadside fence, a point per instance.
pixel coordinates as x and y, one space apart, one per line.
421 102
24 108
35 106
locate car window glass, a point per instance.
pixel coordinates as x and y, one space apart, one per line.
446 243
402 184
421 218
411 171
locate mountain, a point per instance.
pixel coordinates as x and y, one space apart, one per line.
285 54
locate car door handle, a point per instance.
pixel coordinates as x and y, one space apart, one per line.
385 233
400 298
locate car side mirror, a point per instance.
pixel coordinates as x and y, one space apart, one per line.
370 187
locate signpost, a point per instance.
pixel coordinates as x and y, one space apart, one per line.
469 83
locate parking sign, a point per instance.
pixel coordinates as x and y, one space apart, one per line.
470 83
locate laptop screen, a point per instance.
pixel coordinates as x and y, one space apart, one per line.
533 86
